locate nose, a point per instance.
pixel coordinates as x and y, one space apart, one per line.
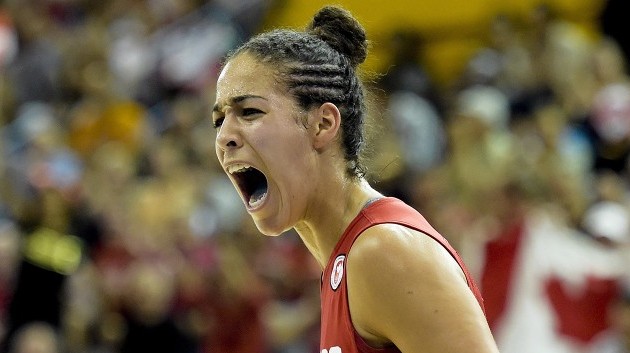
228 136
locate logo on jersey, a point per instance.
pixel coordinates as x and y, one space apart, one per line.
337 272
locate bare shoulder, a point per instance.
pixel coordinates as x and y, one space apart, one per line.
405 288
390 249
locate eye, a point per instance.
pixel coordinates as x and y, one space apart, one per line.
218 122
251 111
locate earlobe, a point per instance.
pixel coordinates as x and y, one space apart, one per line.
328 122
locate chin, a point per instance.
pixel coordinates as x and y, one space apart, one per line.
270 230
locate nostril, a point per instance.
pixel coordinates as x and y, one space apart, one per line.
231 143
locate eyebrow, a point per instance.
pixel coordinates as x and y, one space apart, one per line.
237 99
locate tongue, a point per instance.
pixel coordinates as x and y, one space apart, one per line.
257 196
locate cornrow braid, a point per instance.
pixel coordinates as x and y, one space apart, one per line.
319 66
315 84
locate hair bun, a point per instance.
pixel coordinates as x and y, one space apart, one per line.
337 27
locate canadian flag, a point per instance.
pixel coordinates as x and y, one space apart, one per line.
547 287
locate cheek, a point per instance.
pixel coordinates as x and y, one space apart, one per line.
284 148
291 149
294 163
219 153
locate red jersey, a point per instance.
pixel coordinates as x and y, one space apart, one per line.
337 332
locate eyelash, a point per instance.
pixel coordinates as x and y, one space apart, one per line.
250 111
245 112
217 123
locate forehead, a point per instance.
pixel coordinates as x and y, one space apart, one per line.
244 75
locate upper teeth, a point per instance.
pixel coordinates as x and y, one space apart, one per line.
239 167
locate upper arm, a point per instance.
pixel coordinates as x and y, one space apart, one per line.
404 287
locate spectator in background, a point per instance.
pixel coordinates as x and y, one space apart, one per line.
414 128
292 312
36 337
614 25
9 260
610 108
49 256
34 74
150 323
405 71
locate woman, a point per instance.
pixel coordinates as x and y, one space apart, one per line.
289 114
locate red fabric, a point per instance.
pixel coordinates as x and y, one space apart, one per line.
498 273
337 332
582 315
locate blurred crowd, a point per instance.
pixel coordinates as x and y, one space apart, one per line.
119 233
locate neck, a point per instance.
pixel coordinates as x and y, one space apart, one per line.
329 216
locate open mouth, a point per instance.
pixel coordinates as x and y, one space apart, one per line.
251 182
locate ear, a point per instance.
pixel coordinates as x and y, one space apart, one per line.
327 122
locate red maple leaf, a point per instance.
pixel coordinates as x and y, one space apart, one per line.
585 314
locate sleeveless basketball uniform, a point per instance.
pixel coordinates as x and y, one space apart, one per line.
337 332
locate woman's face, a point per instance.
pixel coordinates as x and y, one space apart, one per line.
263 144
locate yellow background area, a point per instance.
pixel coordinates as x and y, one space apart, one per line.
453 29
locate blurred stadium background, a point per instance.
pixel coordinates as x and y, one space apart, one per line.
452 30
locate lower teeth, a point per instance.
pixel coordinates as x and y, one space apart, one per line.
257 198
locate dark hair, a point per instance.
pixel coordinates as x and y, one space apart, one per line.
319 65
